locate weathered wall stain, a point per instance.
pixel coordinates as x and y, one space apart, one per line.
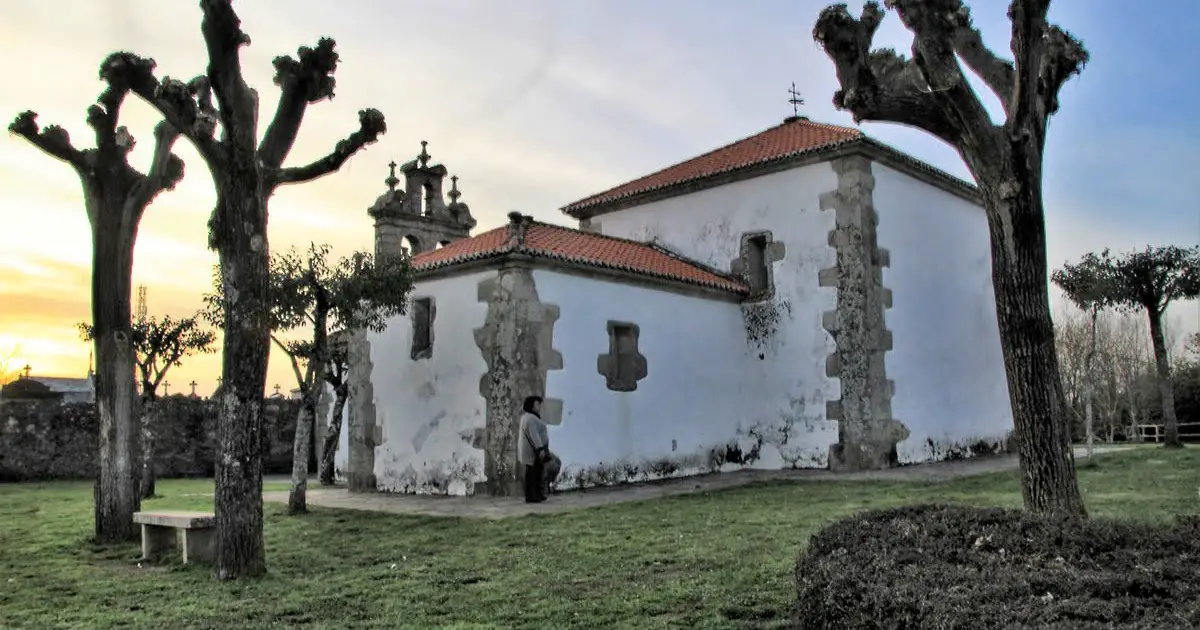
747 449
762 321
450 476
426 429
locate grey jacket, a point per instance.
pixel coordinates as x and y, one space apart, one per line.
533 435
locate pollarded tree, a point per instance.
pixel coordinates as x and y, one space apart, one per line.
335 376
159 345
246 172
115 196
1150 280
356 293
930 92
1083 284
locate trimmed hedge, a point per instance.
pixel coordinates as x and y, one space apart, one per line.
44 440
950 567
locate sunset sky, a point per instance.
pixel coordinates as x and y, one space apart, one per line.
534 104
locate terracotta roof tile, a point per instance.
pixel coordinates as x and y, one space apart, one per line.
791 138
556 242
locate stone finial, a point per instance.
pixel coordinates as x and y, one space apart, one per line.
423 156
518 225
392 181
458 210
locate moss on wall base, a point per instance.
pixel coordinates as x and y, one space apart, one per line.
770 446
946 451
453 477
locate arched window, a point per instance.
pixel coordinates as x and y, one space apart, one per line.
412 245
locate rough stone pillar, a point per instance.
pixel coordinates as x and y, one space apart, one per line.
362 431
516 342
867 433
389 238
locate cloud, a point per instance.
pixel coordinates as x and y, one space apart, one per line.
534 104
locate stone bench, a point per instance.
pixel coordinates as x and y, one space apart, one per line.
195 534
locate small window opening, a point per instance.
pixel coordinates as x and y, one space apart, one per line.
422 320
756 263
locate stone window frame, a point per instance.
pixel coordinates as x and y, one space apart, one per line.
609 365
422 351
773 252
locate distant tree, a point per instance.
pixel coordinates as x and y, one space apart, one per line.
930 91
356 293
115 196
335 376
1192 346
159 345
1150 280
1083 284
246 172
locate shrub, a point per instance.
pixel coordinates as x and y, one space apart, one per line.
949 567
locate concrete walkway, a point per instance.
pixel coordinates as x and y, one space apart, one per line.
506 507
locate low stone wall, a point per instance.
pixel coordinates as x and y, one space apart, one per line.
47 440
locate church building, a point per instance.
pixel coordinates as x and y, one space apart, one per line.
807 297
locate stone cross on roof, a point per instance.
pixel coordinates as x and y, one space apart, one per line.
424 156
796 101
391 180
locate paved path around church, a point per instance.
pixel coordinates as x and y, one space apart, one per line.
505 507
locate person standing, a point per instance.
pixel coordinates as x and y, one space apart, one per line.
533 449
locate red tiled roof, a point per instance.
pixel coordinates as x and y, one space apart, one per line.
793 137
552 241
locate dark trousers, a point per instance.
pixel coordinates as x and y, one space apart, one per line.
535 481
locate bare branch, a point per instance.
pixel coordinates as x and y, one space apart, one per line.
184 105
999 74
371 126
880 85
291 357
53 140
103 116
166 168
935 25
224 38
301 83
1028 26
1064 57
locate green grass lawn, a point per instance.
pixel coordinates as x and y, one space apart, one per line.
719 560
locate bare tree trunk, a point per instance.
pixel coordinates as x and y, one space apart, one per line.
298 494
1166 389
239 227
117 496
333 437
1089 420
1135 433
1019 272
1089 389
149 408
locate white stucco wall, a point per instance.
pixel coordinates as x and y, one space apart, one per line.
706 403
787 387
428 410
945 360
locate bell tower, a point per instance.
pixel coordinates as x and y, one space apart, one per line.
417 218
